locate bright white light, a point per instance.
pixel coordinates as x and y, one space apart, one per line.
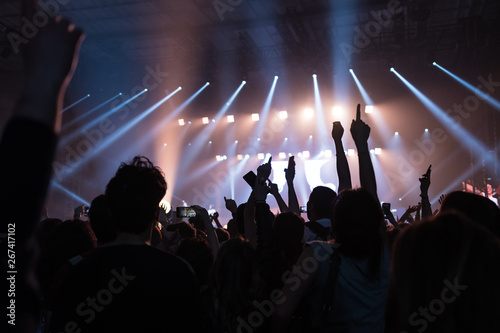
310 136
400 199
260 156
372 151
255 116
165 205
283 114
308 113
369 109
351 152
276 77
396 133
426 130
209 142
239 157
286 139
182 122
378 151
224 157
392 69
350 70
328 153
230 119
337 110
247 156
282 155
306 154
235 141
314 75
205 120
164 145
208 83
258 139
434 63
218 158
394 210
299 154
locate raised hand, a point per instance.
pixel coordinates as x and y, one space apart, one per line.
290 171
337 131
360 131
260 189
231 205
264 170
425 182
273 189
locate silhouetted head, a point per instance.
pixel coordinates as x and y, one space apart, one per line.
101 221
450 266
357 222
197 253
320 203
477 208
68 239
134 194
288 236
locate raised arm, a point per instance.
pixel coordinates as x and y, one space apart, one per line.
273 189
293 202
360 132
342 166
425 182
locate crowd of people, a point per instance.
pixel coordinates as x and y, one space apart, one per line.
351 267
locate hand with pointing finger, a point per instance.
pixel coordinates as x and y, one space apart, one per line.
360 131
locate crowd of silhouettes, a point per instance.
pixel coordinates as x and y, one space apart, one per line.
351 267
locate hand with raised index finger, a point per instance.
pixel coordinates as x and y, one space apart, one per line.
360 131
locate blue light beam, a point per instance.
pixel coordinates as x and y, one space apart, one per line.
80 100
88 113
479 93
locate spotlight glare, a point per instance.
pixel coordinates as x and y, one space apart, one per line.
164 145
351 152
392 69
258 139
179 88
282 155
337 110
255 117
218 158
247 156
426 130
283 115
372 151
276 77
328 153
350 70
434 63
369 109
244 82
205 120
146 89
396 133
209 142
308 113
314 75
260 156
230 119
235 141
378 151
286 139
240 157
182 122
306 154
299 154
224 157
310 136
400 199
207 84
